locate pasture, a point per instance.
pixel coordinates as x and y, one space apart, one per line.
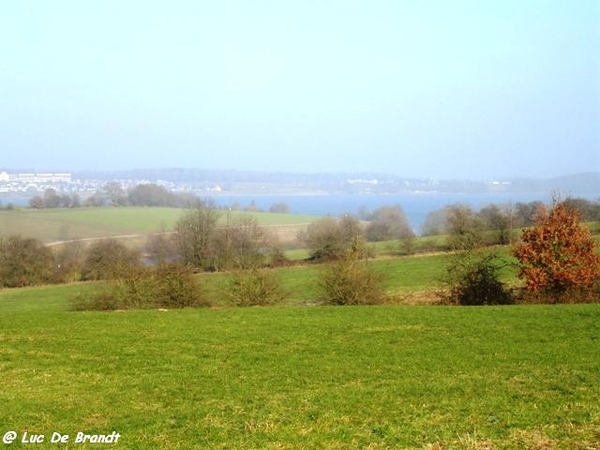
51 225
424 377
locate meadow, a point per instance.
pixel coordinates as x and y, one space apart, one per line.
303 377
51 225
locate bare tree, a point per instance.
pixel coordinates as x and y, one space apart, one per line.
388 223
330 238
51 198
115 193
436 223
280 208
195 233
464 228
36 202
109 259
241 244
162 247
497 219
525 213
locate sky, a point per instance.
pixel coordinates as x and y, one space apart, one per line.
419 88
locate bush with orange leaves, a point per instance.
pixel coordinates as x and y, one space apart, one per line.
559 253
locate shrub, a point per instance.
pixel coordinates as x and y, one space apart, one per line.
276 256
103 300
166 286
350 281
25 262
109 259
254 287
330 239
176 287
323 238
472 278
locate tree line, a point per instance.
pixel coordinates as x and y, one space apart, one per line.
144 194
496 224
113 194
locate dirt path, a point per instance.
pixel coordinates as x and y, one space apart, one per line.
288 234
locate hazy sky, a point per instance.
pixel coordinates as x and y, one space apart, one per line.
478 89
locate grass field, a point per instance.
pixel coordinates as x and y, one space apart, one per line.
302 378
63 224
298 376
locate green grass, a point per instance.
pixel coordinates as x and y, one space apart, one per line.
420 244
302 378
80 223
403 277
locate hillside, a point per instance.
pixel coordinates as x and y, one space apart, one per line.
52 225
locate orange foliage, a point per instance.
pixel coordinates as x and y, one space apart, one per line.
558 253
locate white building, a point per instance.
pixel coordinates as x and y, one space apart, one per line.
53 177
41 177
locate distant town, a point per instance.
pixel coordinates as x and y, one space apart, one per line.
19 186
32 184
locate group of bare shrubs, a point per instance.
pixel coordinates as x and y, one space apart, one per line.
28 262
346 276
240 243
331 238
163 286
